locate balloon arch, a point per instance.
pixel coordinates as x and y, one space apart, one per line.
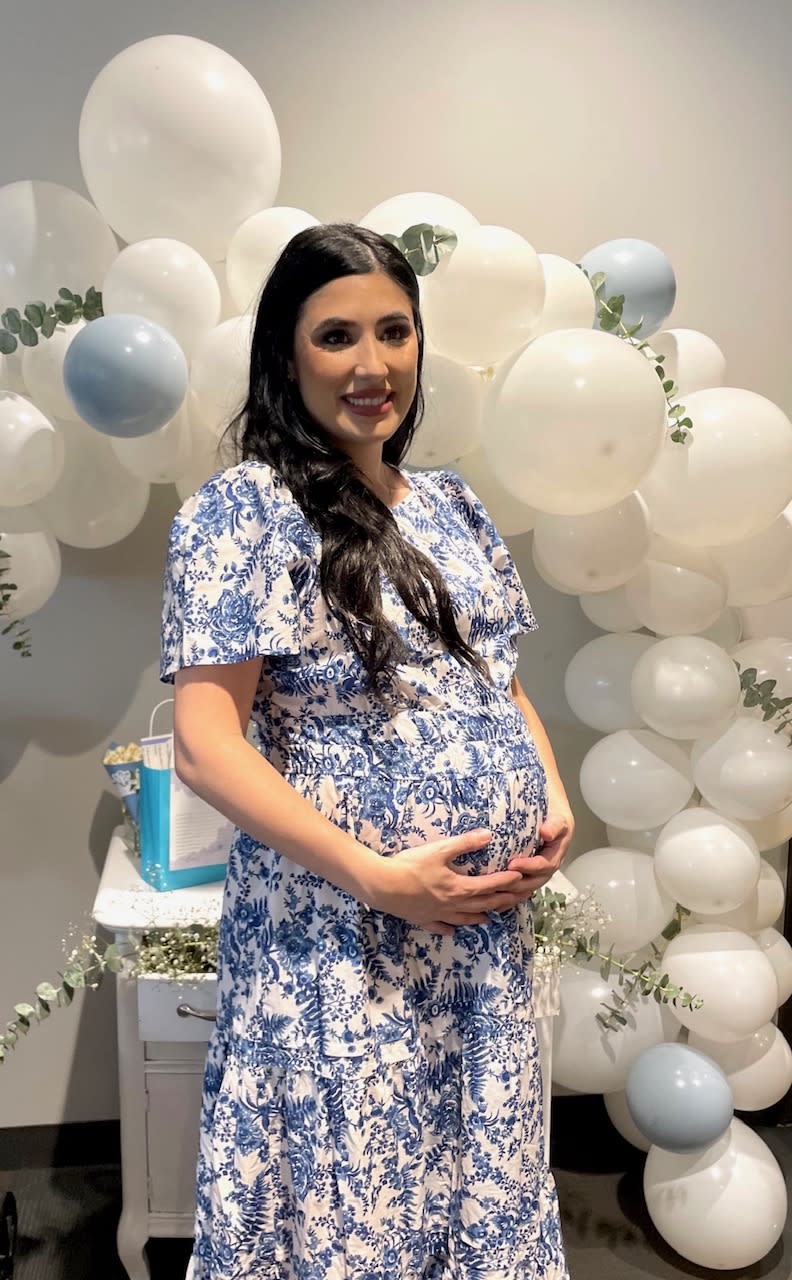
666 519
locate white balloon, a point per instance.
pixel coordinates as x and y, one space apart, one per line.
723 1207
692 359
486 298
758 1069
706 862
760 909
510 515
587 1058
635 779
42 367
677 590
597 681
622 1121
11 378
547 576
728 970
731 478
773 619
178 140
582 394
31 452
744 771
160 457
206 458
623 883
396 214
772 831
779 953
569 298
168 282
220 373
610 610
597 551
759 569
771 656
35 560
96 502
452 419
725 630
644 840
685 686
255 248
50 238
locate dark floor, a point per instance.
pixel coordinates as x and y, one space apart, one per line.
68 1214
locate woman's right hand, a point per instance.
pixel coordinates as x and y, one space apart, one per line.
418 885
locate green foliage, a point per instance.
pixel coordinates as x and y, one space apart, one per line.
609 314
424 245
760 694
40 319
16 626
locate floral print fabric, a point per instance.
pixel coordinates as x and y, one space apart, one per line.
372 1093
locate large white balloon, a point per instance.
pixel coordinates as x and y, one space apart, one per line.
725 630
731 478
168 282
692 359
745 770
684 687
42 366
610 610
706 862
771 657
677 590
772 831
11 378
219 374
31 452
576 394
485 299
587 1058
635 779
759 569
773 619
510 514
569 298
597 681
452 419
207 457
730 973
96 502
723 1207
256 246
396 214
760 909
50 238
178 140
624 884
779 953
596 551
645 839
622 1121
758 1069
162 456
35 560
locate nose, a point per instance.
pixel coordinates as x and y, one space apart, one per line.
370 362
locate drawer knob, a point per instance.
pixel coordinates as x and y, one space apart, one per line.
187 1011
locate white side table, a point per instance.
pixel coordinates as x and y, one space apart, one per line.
161 1056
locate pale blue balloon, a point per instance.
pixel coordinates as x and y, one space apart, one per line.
678 1097
641 272
125 375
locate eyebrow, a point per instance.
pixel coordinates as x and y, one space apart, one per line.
339 322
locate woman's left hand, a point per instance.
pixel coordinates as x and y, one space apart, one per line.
556 834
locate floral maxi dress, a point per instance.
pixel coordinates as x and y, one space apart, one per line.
372 1094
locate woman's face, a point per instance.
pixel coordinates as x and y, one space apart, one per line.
356 360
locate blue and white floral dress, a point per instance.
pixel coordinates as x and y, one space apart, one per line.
372 1096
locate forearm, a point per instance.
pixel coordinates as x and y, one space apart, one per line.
241 784
557 800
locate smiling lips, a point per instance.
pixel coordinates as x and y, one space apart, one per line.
370 406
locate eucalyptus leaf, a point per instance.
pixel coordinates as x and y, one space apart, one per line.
46 991
35 314
48 325
65 293
27 334
12 320
25 1011
8 343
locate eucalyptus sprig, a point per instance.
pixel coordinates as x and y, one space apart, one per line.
759 693
424 245
38 318
22 640
610 316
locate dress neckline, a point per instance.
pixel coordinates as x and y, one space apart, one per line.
410 491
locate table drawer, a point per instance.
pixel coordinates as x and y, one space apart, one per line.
159 1001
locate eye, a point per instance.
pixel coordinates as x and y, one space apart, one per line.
335 337
397 333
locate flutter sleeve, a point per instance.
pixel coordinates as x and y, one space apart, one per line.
489 541
228 594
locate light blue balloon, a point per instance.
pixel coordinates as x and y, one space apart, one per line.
125 375
678 1097
641 272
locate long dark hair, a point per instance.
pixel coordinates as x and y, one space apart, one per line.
360 537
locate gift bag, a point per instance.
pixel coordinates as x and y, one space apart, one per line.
183 840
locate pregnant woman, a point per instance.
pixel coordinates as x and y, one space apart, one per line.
372 1102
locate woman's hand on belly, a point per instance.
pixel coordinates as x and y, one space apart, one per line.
555 834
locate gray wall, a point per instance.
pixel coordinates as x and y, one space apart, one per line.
570 121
